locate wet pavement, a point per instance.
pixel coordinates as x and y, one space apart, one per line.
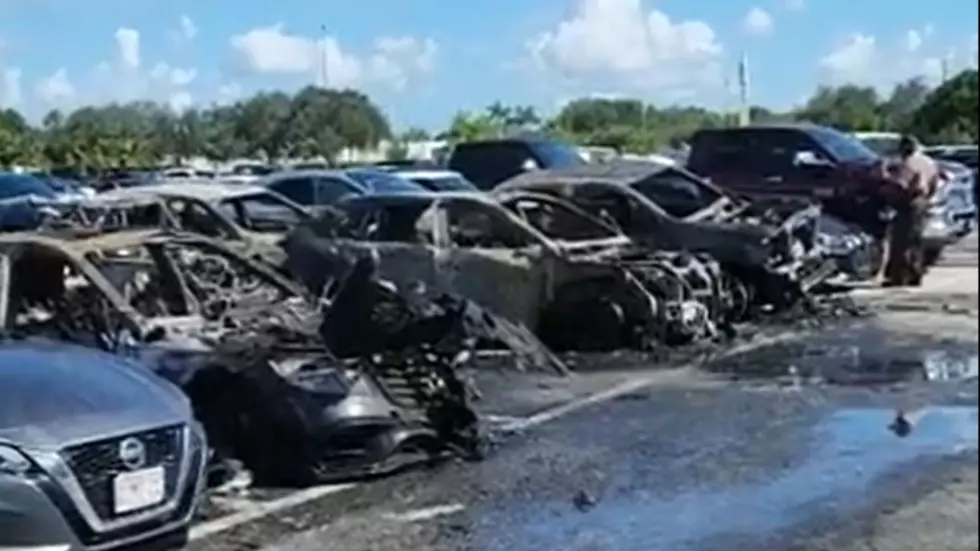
857 435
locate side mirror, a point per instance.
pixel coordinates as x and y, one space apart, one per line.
155 334
809 158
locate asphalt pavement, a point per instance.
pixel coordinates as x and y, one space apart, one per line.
858 435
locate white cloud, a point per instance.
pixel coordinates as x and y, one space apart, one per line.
862 60
11 93
188 30
56 89
758 22
618 41
913 41
128 47
175 76
393 61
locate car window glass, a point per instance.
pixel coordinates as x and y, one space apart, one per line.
16 185
614 206
262 212
474 225
330 191
299 190
194 216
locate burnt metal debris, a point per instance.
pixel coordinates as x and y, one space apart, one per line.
250 350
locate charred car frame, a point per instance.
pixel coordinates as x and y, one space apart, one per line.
587 289
246 346
770 254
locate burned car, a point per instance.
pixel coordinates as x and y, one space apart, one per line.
770 258
247 347
251 220
586 290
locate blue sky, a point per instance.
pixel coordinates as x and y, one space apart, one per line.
424 59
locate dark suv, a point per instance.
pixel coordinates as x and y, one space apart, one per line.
487 163
795 161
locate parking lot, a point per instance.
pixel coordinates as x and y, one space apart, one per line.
788 441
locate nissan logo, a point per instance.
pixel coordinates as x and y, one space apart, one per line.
132 453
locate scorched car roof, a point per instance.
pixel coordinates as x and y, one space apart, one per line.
623 172
206 192
81 244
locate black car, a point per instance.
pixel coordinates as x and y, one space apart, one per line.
96 452
487 163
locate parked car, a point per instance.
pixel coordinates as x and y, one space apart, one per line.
26 201
954 206
96 452
251 219
319 189
487 163
436 180
963 154
240 340
794 161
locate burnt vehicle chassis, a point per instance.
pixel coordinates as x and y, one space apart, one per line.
249 350
591 292
147 208
768 253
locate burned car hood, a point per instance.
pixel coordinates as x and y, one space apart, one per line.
54 394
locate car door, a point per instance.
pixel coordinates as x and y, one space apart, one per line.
488 256
797 166
403 247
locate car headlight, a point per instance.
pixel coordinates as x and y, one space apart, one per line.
13 462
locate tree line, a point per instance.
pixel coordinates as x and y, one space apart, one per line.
316 122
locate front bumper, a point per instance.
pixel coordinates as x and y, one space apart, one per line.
45 511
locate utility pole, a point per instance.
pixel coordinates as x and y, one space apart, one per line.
322 59
743 88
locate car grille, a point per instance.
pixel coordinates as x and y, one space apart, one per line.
96 464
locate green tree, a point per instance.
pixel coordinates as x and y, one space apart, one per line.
949 113
850 108
906 98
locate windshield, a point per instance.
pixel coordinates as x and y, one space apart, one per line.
842 147
559 221
444 183
885 146
679 193
19 185
263 213
558 154
382 182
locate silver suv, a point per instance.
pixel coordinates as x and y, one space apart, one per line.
96 452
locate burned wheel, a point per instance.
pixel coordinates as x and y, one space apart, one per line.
243 423
585 323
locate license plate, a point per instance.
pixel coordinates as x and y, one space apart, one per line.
138 489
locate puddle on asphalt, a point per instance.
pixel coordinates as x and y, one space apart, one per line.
864 363
853 449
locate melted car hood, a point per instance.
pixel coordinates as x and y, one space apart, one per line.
53 395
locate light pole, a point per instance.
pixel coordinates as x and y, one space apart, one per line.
322 59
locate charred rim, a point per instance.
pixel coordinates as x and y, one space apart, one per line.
585 317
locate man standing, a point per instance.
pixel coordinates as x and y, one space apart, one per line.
913 178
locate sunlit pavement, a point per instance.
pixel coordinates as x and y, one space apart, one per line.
793 445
